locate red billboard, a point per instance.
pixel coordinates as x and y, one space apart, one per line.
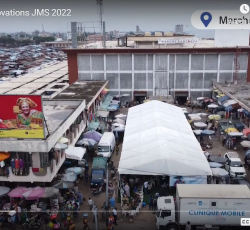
21 116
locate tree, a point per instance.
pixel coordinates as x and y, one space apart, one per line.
38 39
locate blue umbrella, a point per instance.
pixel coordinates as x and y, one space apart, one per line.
207 132
247 152
111 108
93 135
76 170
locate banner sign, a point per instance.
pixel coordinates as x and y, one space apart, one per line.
21 117
174 180
176 41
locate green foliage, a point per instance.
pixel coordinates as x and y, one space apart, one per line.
38 39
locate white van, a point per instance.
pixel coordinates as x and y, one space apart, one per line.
106 145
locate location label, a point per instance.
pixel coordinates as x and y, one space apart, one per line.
206 18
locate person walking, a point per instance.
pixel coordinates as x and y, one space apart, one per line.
91 203
95 213
150 203
146 187
115 215
188 226
86 175
117 149
85 224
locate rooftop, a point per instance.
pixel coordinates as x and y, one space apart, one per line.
240 92
37 83
82 90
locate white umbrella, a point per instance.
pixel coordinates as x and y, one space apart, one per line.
70 177
219 172
60 146
202 114
229 102
195 118
197 132
118 125
235 134
119 129
4 190
49 192
126 95
212 106
118 120
121 116
63 140
200 98
245 144
200 124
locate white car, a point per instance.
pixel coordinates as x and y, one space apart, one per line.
234 165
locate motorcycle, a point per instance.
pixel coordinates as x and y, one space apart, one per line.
32 223
98 188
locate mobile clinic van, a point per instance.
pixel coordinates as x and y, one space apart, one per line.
219 205
106 145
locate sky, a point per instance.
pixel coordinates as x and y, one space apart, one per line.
150 15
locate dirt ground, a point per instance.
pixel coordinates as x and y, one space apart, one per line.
145 219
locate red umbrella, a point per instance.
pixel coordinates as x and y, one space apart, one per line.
53 216
246 132
209 100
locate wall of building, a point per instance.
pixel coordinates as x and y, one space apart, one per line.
158 74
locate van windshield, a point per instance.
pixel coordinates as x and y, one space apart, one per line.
103 148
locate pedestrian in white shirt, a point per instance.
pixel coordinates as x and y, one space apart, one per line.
188 226
146 187
115 215
91 203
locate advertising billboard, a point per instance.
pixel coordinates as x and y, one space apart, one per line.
21 117
174 180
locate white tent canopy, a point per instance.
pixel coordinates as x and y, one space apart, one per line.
75 153
159 141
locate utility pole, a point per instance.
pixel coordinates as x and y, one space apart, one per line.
104 35
96 219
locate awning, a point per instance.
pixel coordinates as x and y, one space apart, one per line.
75 153
102 113
93 125
224 98
4 156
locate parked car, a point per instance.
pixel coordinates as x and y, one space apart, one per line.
234 165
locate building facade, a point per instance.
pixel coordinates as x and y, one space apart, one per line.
148 72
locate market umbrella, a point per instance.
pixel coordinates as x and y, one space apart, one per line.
212 106
200 98
229 102
219 172
86 141
17 192
230 130
121 116
110 108
63 184
34 193
4 156
209 100
200 124
207 132
246 132
218 159
215 165
119 129
235 134
63 140
70 177
245 144
247 153
120 121
93 135
202 114
214 117
60 146
194 117
4 190
118 125
126 95
49 192
197 132
76 170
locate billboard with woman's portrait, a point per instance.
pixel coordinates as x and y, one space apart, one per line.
21 116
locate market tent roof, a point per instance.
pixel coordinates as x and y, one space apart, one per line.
159 141
75 153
